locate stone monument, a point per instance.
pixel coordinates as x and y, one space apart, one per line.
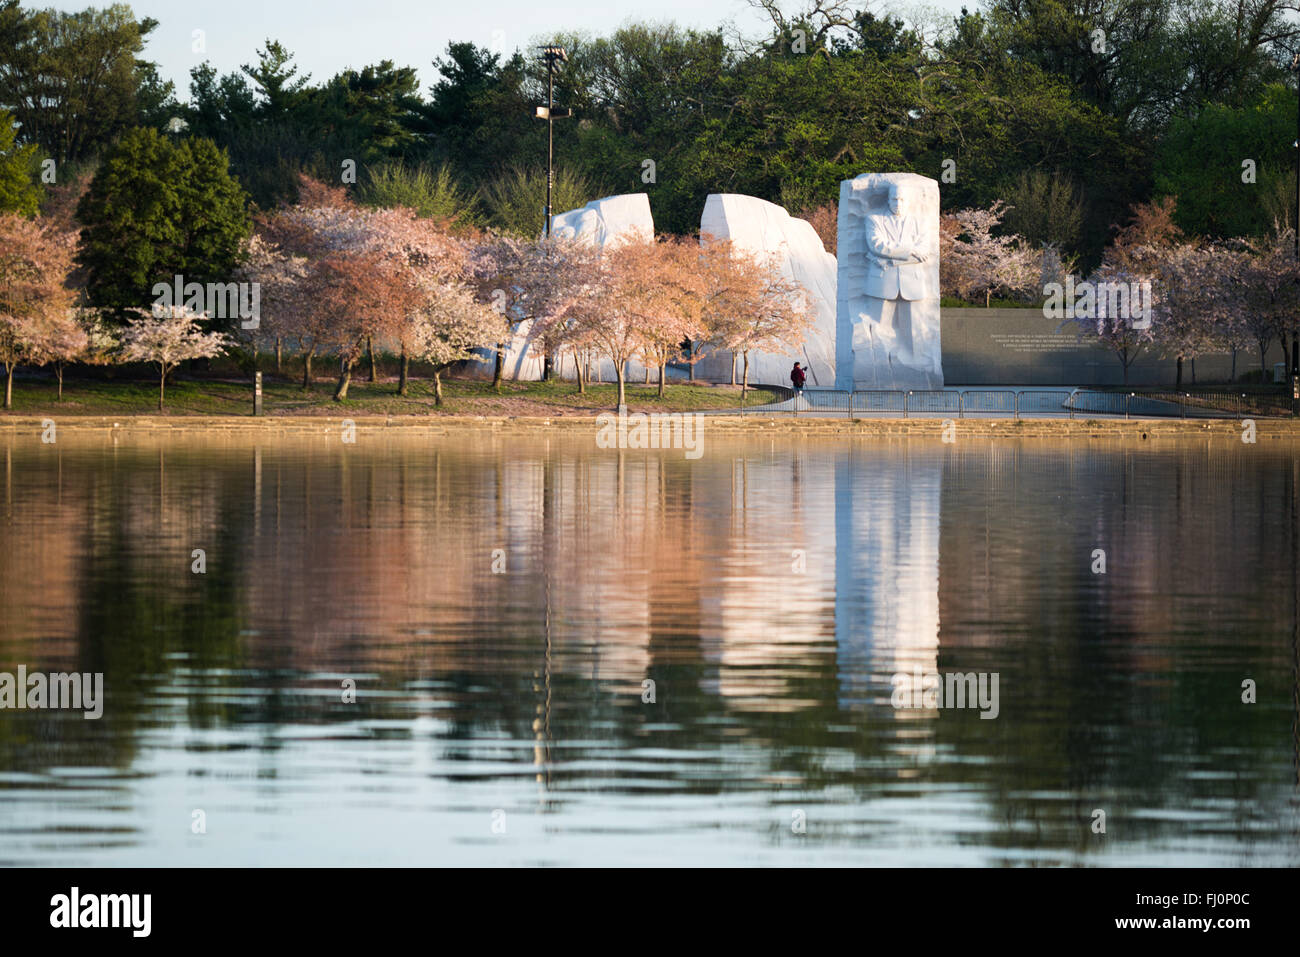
887 330
759 226
604 221
601 223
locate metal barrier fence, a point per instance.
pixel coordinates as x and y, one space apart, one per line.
1067 403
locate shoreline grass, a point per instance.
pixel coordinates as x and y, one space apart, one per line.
283 395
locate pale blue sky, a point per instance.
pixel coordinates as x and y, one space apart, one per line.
327 36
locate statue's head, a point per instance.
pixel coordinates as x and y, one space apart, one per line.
902 198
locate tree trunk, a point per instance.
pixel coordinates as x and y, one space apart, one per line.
746 377
58 374
498 365
1178 380
548 366
622 392
279 343
1193 370
345 380
405 373
1234 365
162 386
1263 358
647 374
662 367
9 387
370 351
582 380
437 385
306 369
733 368
690 358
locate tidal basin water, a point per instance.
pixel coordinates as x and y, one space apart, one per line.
501 604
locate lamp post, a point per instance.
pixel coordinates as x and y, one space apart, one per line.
1295 337
552 55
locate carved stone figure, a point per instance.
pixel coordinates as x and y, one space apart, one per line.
887 332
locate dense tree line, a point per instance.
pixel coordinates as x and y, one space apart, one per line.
1071 111
1053 127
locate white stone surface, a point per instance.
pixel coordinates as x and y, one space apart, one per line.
887 334
605 221
757 225
601 222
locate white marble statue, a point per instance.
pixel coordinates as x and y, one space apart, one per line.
601 222
887 334
757 225
604 221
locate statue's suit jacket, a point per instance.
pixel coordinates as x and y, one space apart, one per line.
890 239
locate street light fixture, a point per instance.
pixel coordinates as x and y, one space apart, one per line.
1295 338
552 56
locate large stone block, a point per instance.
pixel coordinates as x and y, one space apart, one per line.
887 333
601 222
764 227
608 220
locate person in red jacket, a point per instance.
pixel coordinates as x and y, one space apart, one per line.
798 376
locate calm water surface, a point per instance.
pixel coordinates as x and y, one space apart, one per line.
501 603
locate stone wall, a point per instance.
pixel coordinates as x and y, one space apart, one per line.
1021 347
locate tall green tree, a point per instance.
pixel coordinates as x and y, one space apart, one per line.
75 81
20 192
156 209
1227 164
380 103
279 88
480 115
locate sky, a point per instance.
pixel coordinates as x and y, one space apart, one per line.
327 36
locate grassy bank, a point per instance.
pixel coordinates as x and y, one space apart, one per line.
218 428
284 396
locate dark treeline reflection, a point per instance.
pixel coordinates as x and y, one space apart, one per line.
520 593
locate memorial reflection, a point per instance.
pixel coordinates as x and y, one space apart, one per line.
526 590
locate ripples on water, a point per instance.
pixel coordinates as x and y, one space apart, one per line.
522 692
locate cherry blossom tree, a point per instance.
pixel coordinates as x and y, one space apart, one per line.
405 258
447 327
63 339
533 284
167 339
35 262
750 304
1186 303
1146 251
359 294
973 262
624 297
683 288
278 275
1271 289
1119 333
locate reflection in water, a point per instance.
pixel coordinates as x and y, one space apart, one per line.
507 606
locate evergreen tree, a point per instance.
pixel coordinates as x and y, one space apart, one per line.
155 210
19 190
